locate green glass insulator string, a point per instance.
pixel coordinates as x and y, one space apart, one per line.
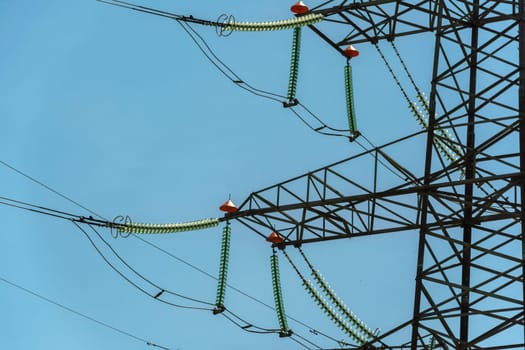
223 269
278 296
294 67
143 228
294 23
336 301
329 311
350 107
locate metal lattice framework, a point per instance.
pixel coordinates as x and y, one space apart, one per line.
469 285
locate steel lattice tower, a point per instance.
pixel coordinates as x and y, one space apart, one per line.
467 209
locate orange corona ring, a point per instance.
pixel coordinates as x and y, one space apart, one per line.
228 207
351 51
299 8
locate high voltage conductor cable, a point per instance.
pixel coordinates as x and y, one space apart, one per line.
164 291
161 290
311 329
249 325
78 313
246 327
304 339
223 68
256 329
53 213
105 223
127 227
232 76
230 24
160 13
156 297
48 188
330 312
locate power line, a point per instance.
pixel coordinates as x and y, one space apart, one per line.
156 297
161 290
78 313
311 329
48 188
79 219
226 70
76 220
235 78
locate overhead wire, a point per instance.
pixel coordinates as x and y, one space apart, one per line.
249 88
78 313
300 343
231 75
48 188
161 289
306 340
223 67
139 288
75 219
160 13
248 327
216 61
205 48
196 268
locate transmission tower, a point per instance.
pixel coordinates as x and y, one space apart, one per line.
466 203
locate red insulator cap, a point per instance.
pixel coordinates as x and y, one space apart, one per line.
351 51
229 207
299 8
275 238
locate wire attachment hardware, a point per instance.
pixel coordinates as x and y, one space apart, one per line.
224 21
117 222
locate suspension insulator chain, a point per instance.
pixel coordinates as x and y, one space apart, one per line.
294 68
278 296
223 269
296 22
329 311
354 320
350 109
140 228
332 314
321 282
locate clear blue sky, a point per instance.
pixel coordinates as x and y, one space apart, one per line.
121 112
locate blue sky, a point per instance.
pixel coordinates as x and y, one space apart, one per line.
121 112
